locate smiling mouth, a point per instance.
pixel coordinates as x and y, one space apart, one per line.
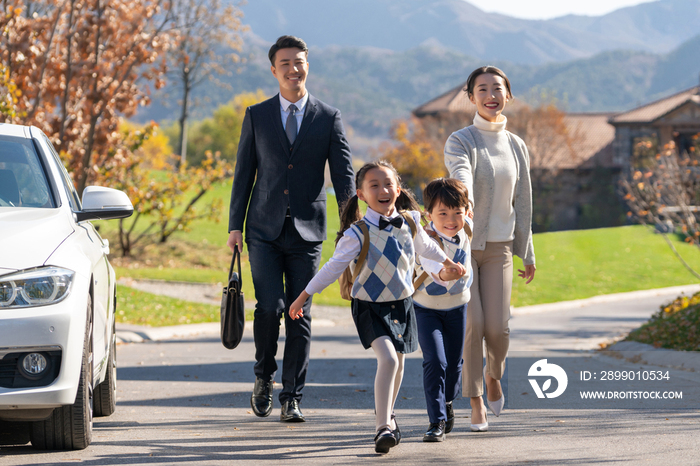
384 201
491 105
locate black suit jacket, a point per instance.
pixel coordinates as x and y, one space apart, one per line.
270 175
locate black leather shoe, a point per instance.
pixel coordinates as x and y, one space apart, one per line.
261 399
291 412
436 432
384 440
450 422
397 431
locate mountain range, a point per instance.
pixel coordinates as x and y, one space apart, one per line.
388 70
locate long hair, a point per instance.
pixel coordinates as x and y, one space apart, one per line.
350 213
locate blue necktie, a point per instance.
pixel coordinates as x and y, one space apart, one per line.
291 128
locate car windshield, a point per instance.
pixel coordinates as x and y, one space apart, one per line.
22 178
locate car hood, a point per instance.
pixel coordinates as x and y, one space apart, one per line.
29 236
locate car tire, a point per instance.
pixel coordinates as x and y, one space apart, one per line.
105 400
70 427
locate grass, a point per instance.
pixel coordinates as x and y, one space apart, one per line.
141 308
675 326
570 264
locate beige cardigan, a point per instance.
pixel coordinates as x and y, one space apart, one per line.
467 160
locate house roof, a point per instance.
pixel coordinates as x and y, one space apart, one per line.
653 111
456 100
595 140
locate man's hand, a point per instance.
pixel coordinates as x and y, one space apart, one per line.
235 238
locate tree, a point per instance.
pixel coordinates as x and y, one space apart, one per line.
80 65
163 199
220 133
209 32
414 154
662 189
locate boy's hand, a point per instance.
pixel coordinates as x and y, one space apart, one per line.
295 309
451 271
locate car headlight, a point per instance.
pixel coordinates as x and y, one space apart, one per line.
35 287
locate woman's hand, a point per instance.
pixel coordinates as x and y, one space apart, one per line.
295 309
528 273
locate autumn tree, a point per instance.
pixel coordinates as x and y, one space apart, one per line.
209 35
165 202
414 154
662 189
80 65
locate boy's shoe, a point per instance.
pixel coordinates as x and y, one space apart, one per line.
450 422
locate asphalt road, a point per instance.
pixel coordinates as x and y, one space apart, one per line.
185 400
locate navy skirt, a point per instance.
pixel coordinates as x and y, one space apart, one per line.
394 319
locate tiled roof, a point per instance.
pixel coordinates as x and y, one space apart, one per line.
655 110
456 100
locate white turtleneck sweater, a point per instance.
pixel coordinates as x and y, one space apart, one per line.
502 221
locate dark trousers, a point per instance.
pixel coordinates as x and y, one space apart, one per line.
441 337
281 270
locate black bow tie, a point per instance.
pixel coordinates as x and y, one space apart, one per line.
455 239
385 222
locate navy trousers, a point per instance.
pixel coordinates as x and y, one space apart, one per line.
441 337
281 270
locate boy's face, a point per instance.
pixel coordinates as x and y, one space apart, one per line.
447 220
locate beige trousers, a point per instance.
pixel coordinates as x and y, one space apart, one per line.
488 314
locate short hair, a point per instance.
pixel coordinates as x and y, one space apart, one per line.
471 80
449 192
286 42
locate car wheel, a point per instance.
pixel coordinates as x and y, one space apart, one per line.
70 427
105 402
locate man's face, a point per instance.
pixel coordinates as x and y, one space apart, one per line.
291 69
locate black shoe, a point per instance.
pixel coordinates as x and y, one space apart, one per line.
261 399
397 431
450 422
384 440
436 432
291 412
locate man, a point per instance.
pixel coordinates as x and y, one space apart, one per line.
285 143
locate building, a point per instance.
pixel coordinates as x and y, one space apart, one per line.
576 186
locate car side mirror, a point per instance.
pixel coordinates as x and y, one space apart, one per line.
100 203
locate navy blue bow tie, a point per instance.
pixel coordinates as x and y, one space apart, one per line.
385 222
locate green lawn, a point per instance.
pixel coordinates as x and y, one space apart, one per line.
570 264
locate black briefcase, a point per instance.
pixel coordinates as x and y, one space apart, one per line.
233 306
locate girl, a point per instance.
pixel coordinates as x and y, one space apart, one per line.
382 307
494 165
441 307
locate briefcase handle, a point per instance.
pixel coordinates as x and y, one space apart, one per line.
236 260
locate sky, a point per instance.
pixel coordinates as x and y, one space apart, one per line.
546 9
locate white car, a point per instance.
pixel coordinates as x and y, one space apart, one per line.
57 296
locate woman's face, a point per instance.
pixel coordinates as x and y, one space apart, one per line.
490 96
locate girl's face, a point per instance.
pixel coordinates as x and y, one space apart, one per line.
379 190
490 96
447 220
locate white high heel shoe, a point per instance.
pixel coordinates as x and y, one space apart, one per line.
481 427
495 406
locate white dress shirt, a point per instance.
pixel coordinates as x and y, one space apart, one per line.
349 246
300 105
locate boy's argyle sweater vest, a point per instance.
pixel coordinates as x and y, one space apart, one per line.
434 296
387 274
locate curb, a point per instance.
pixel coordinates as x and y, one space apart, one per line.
606 298
643 353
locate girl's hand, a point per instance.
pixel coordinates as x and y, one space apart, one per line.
528 273
295 309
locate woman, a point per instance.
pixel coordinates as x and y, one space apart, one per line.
494 164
